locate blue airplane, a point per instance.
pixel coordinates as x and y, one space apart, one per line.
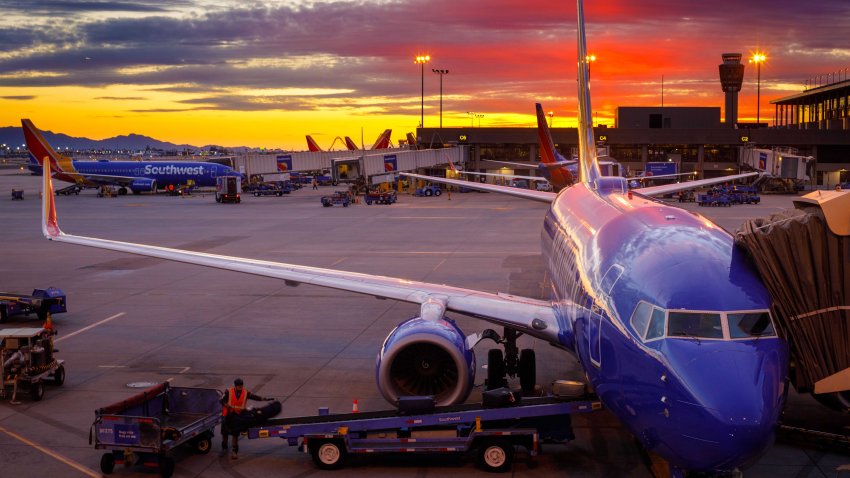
668 319
137 176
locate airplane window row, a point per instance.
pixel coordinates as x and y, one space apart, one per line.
650 323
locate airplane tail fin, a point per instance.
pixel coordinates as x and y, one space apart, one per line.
411 141
312 145
40 149
383 141
49 226
350 144
560 177
588 165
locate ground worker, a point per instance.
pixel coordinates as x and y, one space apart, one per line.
235 401
315 184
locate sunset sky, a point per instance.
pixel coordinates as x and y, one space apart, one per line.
265 73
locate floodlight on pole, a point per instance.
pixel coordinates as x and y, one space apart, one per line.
550 114
421 60
758 59
441 73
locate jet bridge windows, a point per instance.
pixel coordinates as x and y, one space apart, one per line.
651 323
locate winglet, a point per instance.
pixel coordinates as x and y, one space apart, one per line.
49 226
588 165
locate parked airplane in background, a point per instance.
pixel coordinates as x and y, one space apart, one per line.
669 320
137 176
383 141
312 145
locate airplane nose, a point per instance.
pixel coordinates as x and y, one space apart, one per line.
733 406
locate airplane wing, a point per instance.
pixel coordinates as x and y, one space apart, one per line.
518 176
541 196
676 187
556 164
104 178
532 316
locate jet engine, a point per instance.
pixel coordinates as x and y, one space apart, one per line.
426 357
143 185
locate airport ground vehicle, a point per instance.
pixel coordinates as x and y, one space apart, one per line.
380 197
17 195
72 189
26 360
339 197
228 189
430 190
40 302
146 427
492 433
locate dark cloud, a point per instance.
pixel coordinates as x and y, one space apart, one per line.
18 97
499 52
120 98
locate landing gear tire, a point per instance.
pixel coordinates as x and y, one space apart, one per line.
122 191
495 369
496 455
328 455
527 371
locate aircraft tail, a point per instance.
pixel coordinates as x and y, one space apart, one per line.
588 165
383 141
560 177
350 144
411 141
312 145
40 149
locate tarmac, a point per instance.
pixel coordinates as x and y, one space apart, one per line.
135 320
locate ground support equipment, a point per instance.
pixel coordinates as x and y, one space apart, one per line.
145 428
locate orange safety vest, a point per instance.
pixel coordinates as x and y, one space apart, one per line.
237 404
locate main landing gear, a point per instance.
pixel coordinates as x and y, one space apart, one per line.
512 363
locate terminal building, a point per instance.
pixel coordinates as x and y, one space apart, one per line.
815 123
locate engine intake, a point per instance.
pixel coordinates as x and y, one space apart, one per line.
424 357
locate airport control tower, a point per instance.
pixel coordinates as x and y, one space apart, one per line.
731 78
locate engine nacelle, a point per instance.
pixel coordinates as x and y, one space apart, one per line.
424 357
143 185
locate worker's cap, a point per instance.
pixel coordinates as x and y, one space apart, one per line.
238 382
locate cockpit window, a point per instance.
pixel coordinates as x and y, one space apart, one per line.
656 325
750 324
701 325
640 318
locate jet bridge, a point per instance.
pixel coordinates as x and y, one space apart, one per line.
803 256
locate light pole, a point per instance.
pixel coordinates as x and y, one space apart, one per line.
471 118
441 73
479 119
421 60
551 114
758 59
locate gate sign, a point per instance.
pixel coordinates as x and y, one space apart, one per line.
284 163
390 163
660 168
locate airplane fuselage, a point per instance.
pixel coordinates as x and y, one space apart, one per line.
163 172
670 323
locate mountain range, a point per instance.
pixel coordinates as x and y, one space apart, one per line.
13 136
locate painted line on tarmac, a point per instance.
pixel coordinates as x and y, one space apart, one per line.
119 314
52 454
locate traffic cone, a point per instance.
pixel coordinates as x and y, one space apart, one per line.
354 407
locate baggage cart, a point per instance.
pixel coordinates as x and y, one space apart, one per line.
145 428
